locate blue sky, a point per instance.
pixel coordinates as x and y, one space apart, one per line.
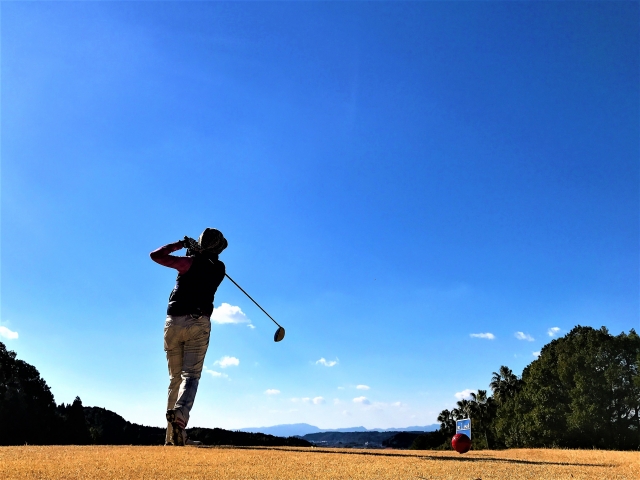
394 179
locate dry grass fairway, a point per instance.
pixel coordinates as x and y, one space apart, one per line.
102 462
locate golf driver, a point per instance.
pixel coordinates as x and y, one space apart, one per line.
193 246
279 335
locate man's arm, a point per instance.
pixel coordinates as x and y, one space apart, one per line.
163 257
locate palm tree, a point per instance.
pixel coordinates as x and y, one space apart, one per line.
465 408
447 422
481 410
504 384
480 397
479 404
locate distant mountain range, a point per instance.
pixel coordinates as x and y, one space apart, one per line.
301 429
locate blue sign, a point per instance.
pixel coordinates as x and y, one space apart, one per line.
464 426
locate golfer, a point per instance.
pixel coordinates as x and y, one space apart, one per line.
188 325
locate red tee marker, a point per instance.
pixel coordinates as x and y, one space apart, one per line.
461 443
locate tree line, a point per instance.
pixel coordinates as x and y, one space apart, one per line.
29 414
583 391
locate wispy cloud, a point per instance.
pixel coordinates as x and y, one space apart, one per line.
466 393
362 400
318 400
553 331
327 363
524 336
214 373
6 333
336 401
227 361
536 354
226 313
396 404
363 387
272 391
488 336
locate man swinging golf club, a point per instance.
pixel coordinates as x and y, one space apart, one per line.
188 326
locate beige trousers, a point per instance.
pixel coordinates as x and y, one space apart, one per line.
186 339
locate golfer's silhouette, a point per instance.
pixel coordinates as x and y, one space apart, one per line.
188 326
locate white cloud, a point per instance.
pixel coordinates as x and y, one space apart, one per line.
336 401
227 361
363 387
302 400
226 313
318 400
488 336
536 354
396 404
340 388
6 333
251 326
327 363
362 400
272 391
213 373
523 336
553 331
466 393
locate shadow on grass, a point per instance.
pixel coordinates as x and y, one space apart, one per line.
512 460
422 457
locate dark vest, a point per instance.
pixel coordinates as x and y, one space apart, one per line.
195 289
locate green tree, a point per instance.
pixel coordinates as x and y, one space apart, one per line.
580 393
463 410
27 407
482 414
447 422
76 428
504 384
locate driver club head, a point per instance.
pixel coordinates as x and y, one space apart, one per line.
279 335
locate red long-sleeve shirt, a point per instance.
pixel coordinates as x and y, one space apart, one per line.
163 257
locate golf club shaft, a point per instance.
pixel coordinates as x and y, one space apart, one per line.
265 312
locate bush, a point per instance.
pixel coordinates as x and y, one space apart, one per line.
429 441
